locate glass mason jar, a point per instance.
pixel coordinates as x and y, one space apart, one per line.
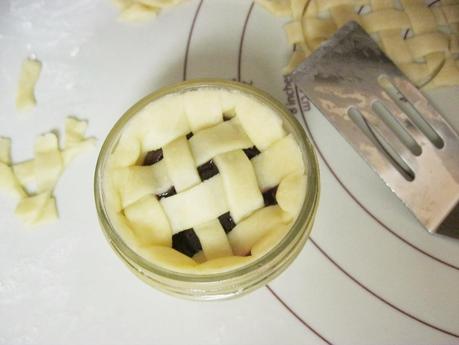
238 281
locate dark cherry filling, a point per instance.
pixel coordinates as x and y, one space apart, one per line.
153 157
171 191
226 222
269 196
186 242
251 152
207 170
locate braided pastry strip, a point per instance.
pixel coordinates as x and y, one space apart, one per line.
422 38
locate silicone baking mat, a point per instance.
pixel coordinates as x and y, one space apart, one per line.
368 275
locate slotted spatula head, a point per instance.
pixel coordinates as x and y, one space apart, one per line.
388 122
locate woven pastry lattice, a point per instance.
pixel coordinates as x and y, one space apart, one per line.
221 172
420 36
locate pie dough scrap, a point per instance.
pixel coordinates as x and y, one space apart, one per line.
30 72
74 144
240 184
276 162
122 4
5 150
25 172
279 8
69 153
75 140
44 170
197 205
30 209
8 180
137 12
213 240
148 221
160 3
49 213
75 130
253 228
9 183
48 162
142 10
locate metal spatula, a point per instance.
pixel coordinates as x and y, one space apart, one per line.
388 122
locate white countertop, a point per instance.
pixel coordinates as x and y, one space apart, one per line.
369 275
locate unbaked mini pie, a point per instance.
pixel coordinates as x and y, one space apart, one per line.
204 180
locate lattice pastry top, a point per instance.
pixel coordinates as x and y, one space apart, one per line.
421 37
205 181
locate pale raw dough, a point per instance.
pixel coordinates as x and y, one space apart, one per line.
75 140
43 171
138 13
8 181
48 162
5 150
30 72
30 209
49 213
142 10
422 40
25 172
276 7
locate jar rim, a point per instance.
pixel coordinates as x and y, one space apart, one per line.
302 222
